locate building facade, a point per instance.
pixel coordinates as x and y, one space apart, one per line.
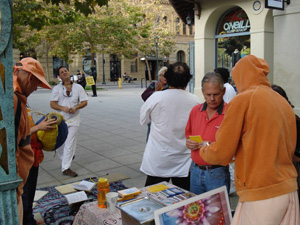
226 30
110 67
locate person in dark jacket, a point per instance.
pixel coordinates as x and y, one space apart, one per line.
94 74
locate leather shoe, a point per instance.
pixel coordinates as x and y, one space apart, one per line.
70 173
94 95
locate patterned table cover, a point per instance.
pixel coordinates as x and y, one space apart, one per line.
90 214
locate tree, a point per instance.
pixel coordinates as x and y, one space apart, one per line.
112 26
119 26
85 7
150 27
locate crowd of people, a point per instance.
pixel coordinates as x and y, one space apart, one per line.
257 128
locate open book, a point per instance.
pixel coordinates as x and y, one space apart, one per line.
84 186
76 197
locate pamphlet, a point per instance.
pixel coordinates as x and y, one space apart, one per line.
156 188
84 186
196 138
76 197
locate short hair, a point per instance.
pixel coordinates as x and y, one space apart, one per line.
178 75
163 69
213 77
224 73
59 69
280 91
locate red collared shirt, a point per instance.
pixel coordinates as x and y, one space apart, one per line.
199 124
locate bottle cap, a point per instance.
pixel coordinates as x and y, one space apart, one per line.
102 181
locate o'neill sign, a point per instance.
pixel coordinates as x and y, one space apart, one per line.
234 21
236 26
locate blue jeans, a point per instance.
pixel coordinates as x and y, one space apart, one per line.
207 180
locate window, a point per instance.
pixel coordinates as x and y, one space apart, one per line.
165 19
232 38
184 29
191 29
133 66
177 22
180 56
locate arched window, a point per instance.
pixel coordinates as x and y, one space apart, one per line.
177 21
180 56
165 19
232 37
115 67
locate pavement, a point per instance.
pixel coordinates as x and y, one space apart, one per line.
110 140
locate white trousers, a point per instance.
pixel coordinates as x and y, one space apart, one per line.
66 152
281 210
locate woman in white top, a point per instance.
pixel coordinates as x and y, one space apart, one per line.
68 98
166 156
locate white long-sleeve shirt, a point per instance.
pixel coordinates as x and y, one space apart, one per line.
166 154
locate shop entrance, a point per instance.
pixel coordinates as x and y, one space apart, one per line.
115 68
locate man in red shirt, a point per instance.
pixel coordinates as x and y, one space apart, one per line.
204 120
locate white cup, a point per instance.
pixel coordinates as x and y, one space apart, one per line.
111 199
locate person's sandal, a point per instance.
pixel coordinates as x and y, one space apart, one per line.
70 173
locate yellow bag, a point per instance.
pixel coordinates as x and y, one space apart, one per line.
53 139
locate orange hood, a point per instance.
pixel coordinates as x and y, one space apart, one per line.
257 71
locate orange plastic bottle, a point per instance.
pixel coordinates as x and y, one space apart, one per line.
102 189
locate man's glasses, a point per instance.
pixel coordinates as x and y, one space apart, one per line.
67 93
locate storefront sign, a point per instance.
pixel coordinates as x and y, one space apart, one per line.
236 27
275 4
235 21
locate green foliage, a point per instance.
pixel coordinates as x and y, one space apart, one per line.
85 7
61 29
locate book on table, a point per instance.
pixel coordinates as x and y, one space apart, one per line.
84 186
76 197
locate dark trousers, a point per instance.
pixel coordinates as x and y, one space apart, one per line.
28 196
182 182
94 87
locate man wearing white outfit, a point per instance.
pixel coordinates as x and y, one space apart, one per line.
166 156
68 98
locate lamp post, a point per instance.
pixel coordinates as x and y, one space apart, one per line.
103 61
156 39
